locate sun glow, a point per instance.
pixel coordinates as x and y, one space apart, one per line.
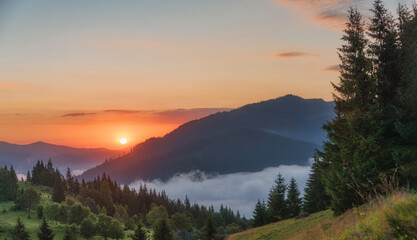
123 141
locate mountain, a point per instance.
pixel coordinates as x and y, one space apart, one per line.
280 131
23 157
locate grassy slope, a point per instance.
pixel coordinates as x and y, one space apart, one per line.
8 220
394 217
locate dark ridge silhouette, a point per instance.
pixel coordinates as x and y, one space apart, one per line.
23 157
270 133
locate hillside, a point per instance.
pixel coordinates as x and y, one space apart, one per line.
8 217
393 217
23 157
280 131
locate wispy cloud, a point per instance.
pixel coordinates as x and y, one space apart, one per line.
331 13
295 55
123 111
166 116
333 68
78 114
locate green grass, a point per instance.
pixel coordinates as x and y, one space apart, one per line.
9 218
393 217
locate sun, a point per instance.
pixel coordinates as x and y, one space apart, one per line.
123 141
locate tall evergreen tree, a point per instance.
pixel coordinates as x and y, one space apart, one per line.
277 206
58 193
315 197
406 125
385 55
348 155
19 231
260 214
293 199
45 232
8 184
69 181
28 177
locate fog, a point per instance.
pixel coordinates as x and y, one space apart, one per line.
239 191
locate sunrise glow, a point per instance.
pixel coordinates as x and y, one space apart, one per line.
123 141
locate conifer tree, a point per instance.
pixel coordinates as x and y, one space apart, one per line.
349 154
406 124
58 194
19 231
28 177
162 230
209 229
277 206
315 197
293 199
260 214
139 233
45 232
69 181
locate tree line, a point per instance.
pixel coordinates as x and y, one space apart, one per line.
284 201
103 207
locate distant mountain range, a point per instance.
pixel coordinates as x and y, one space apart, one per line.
285 130
24 157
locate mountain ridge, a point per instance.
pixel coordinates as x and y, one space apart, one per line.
292 117
23 156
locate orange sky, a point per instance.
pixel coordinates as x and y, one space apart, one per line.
149 57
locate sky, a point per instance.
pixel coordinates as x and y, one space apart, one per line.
87 73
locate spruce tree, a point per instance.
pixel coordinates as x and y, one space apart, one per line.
45 232
277 206
259 214
28 177
406 124
385 55
69 181
209 229
19 231
349 154
315 197
162 230
139 233
58 194
293 199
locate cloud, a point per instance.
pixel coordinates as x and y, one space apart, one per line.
77 172
78 114
166 116
295 55
239 191
123 111
330 13
333 68
21 176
